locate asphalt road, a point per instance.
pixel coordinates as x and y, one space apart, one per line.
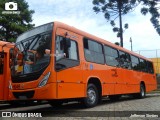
125 108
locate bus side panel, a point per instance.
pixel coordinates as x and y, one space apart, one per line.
132 79
120 86
70 90
7 77
109 82
151 83
101 72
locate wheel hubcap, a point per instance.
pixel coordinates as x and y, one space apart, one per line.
91 96
142 91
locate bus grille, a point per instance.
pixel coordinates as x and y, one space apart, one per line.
23 95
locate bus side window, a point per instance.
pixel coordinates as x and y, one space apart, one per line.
124 60
72 51
135 63
63 60
111 56
93 51
143 65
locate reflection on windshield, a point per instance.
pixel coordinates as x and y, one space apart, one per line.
32 55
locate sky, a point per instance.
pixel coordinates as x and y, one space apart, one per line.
80 14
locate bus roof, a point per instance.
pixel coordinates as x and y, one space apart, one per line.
92 37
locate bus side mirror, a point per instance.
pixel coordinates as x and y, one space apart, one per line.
67 46
68 42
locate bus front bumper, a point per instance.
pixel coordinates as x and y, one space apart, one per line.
40 93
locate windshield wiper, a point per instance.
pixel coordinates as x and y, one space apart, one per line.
29 43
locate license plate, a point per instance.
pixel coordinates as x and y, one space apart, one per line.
22 97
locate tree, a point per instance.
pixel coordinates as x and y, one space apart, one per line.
152 7
113 9
116 43
12 25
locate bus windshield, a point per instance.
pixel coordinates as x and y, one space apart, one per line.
32 51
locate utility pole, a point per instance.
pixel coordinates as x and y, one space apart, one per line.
131 43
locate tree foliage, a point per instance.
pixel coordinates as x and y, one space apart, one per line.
12 25
152 7
114 9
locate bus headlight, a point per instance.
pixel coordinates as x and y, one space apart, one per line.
44 80
10 85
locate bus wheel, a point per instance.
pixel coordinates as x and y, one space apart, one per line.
92 96
56 103
142 93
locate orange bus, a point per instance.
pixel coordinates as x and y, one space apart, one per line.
60 63
5 70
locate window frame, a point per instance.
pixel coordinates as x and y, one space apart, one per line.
78 55
151 63
94 51
110 56
127 61
134 62
146 64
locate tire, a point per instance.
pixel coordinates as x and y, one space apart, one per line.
56 103
142 93
114 97
92 96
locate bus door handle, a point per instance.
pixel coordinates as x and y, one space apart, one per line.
60 81
79 82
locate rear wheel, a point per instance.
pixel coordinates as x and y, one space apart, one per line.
92 96
142 92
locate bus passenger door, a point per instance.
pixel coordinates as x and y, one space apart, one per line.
2 77
67 64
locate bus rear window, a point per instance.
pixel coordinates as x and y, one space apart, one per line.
150 67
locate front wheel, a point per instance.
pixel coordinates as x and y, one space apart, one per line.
92 96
